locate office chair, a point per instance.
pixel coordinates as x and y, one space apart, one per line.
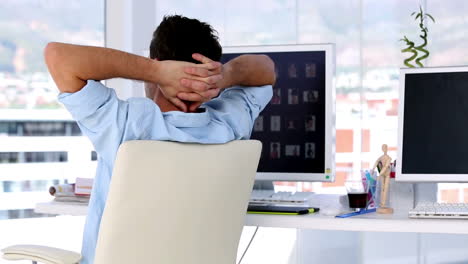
169 203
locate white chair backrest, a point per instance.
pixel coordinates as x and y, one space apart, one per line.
177 203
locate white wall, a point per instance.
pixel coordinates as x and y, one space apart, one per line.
129 27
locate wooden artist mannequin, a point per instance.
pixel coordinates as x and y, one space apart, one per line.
384 164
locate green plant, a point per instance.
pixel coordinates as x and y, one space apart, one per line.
411 48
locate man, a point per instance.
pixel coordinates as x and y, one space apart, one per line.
176 86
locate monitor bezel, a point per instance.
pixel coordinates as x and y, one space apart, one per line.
329 174
411 177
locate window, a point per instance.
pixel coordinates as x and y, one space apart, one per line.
40 145
39 128
31 157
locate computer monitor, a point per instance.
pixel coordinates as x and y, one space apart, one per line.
297 126
433 125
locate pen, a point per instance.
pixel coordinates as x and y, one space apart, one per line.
365 211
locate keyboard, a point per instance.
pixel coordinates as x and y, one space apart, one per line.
272 197
440 210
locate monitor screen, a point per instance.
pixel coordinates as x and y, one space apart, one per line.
434 126
292 127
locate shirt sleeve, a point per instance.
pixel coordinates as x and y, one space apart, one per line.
101 116
240 106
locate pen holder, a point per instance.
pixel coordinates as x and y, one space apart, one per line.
369 181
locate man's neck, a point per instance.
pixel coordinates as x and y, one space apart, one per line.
164 104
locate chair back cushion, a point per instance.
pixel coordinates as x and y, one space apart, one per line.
177 203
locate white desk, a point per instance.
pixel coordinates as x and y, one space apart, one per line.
368 222
61 208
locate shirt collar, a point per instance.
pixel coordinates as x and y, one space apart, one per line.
181 119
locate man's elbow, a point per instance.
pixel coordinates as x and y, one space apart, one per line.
66 80
51 55
50 52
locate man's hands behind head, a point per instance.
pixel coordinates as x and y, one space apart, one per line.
188 85
214 75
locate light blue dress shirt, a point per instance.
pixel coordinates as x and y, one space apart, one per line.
108 121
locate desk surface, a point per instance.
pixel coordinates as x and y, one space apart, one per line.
61 208
369 222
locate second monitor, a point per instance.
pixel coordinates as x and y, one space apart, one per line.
432 141
297 126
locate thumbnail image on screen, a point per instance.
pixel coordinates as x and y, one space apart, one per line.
292 126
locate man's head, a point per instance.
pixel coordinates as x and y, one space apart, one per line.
178 37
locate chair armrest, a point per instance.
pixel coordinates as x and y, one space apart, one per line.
42 254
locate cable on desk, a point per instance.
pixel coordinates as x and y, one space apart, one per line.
248 245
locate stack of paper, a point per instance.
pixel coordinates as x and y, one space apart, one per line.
78 192
70 198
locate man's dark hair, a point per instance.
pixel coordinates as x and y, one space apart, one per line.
178 37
